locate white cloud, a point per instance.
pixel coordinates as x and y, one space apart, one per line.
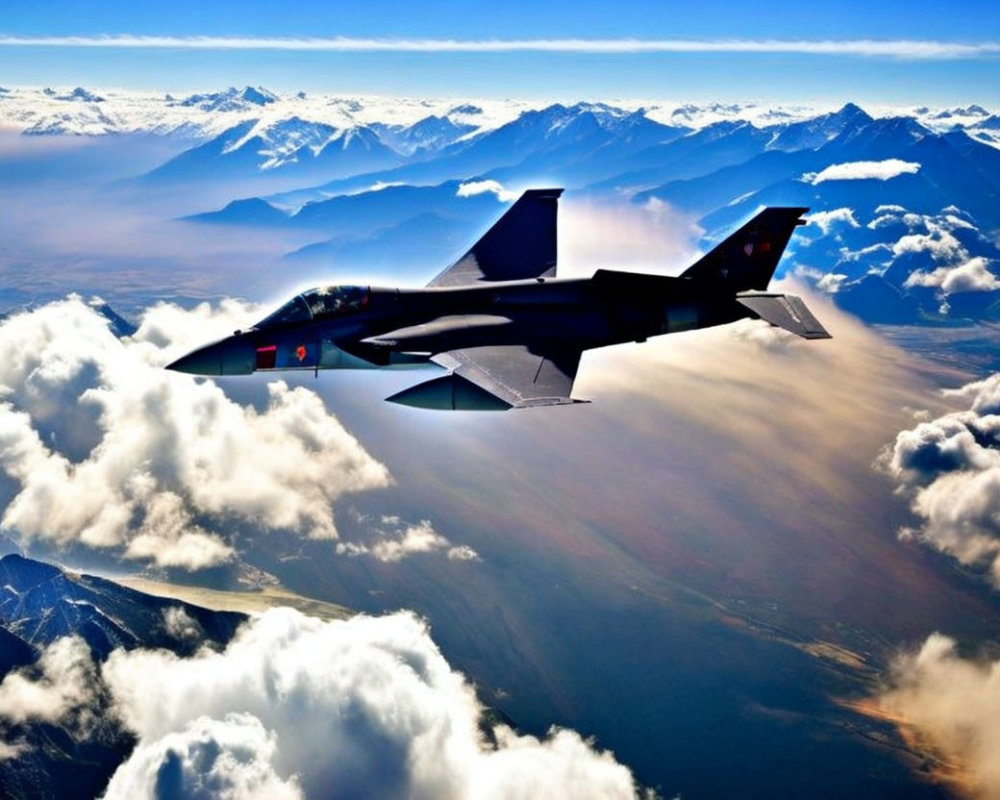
870 253
950 468
61 684
863 170
365 707
939 242
462 553
952 218
825 220
887 214
10 750
954 703
972 276
402 540
106 448
831 282
181 626
228 759
891 48
472 188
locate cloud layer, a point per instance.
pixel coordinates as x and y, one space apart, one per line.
954 703
890 48
295 707
105 448
950 468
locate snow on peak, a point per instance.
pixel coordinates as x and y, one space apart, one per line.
258 96
433 123
81 95
281 141
231 99
466 110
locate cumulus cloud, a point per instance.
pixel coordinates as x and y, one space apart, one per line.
826 220
472 188
972 276
950 468
939 242
954 703
863 170
298 707
61 685
394 540
107 449
932 238
228 758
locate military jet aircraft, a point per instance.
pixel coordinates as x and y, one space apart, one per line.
507 329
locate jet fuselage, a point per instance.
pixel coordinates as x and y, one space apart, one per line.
403 327
509 332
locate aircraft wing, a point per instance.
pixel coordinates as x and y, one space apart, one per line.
520 245
516 375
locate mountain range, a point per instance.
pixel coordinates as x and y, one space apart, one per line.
39 605
904 202
932 262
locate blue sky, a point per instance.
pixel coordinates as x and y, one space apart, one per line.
891 51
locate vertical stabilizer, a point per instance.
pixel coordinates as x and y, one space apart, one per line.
747 259
519 246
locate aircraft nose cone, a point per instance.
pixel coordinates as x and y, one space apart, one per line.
232 356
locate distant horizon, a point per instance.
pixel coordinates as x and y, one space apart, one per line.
887 71
568 99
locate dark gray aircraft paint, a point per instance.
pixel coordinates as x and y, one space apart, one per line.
507 330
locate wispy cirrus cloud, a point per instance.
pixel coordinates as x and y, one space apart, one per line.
876 48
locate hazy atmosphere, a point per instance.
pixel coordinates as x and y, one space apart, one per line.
750 564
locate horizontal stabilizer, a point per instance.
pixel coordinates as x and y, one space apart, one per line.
520 245
785 311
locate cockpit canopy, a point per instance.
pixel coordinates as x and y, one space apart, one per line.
324 302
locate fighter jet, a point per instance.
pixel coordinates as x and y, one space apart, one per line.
508 331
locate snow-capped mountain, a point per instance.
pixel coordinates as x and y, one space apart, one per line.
374 174
79 94
262 147
230 99
212 112
203 115
570 145
429 134
840 163
40 604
